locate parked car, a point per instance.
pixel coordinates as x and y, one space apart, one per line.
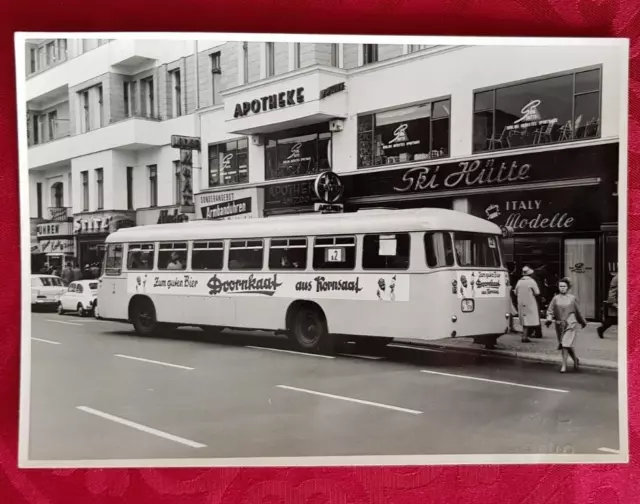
79 297
46 290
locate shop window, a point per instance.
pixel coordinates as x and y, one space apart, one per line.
386 251
295 153
477 250
229 163
172 256
334 253
140 256
438 250
246 254
207 255
288 253
113 262
415 133
543 111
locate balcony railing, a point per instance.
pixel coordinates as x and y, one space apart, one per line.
60 214
56 129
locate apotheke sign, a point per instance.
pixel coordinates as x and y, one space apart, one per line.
271 102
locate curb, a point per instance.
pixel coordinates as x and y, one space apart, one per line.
526 356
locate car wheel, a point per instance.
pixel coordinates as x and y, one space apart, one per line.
59 309
81 311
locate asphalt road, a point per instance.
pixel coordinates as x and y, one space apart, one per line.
98 391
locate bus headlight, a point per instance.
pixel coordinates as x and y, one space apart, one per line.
467 305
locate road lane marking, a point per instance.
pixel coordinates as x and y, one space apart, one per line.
609 450
62 322
495 381
368 357
291 352
422 349
46 341
351 399
154 362
140 427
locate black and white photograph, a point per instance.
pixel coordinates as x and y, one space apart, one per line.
302 250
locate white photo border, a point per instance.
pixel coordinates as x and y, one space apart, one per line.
312 461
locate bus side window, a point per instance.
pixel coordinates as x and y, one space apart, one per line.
140 256
172 256
113 262
288 253
207 255
438 249
334 252
387 251
246 254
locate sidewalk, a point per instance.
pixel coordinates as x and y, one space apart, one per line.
592 351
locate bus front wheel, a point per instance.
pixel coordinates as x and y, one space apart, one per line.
143 316
309 329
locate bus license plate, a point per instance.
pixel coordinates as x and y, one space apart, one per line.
467 305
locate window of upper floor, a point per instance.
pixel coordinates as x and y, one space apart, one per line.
414 133
541 111
298 152
229 163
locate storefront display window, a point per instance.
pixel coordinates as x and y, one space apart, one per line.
544 111
298 152
229 163
415 133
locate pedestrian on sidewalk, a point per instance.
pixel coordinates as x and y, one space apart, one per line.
564 310
526 291
611 310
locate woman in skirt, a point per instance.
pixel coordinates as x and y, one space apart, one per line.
564 310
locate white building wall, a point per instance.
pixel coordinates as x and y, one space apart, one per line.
89 163
48 178
379 87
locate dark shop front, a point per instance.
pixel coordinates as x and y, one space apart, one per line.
562 205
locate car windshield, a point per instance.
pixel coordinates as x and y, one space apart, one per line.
51 282
93 286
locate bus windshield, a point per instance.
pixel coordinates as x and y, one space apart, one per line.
477 250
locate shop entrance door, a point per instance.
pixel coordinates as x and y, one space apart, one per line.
580 268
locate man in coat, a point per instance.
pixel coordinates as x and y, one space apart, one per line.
526 291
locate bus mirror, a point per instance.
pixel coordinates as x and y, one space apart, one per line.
507 231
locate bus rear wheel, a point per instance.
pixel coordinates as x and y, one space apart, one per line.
309 329
143 317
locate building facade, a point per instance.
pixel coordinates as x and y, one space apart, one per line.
530 146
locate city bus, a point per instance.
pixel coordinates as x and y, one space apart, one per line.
366 277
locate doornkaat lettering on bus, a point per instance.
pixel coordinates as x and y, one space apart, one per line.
278 285
478 284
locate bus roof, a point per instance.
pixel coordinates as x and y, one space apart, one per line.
360 222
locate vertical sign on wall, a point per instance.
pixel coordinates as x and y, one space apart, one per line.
186 145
